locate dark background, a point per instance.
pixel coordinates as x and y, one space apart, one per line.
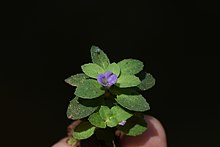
44 42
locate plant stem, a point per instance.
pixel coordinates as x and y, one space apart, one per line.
113 142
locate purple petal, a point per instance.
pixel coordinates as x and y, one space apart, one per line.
100 77
107 74
107 79
122 123
112 79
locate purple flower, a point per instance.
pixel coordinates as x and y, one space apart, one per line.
122 123
107 79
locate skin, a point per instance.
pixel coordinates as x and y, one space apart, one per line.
154 137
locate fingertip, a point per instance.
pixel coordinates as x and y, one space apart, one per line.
156 132
62 143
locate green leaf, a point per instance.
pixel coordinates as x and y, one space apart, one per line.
71 141
92 70
120 114
133 102
147 83
114 68
134 126
81 108
130 66
106 115
77 79
83 131
99 57
89 89
105 112
125 81
112 122
96 120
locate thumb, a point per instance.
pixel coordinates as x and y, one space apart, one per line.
154 137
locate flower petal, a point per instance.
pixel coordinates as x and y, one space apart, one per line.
107 79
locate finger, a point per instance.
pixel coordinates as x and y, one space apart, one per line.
154 137
62 143
72 126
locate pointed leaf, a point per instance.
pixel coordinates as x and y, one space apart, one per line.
147 83
89 89
105 112
134 126
80 108
92 70
99 57
114 115
77 79
106 115
120 114
114 68
96 120
112 122
133 102
130 66
127 81
83 130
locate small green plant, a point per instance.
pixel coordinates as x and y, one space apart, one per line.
108 98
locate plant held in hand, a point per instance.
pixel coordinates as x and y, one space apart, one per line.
108 98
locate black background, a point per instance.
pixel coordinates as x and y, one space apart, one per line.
44 42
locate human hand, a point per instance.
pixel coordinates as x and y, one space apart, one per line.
154 137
